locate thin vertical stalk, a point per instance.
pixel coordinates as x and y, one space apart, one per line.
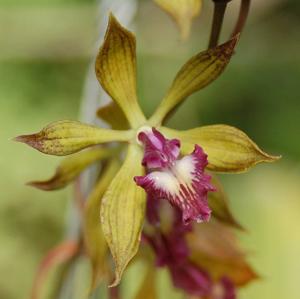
114 293
219 12
243 15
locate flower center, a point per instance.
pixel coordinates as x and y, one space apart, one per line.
181 180
143 129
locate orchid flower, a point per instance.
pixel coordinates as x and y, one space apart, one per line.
203 259
182 12
160 163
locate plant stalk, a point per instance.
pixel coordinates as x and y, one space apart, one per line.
219 12
243 15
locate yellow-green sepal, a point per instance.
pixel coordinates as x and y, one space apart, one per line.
122 212
198 72
71 167
116 70
66 137
114 116
228 148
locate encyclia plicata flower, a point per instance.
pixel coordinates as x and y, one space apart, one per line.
172 250
181 181
195 269
122 202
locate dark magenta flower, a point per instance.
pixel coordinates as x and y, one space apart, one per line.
182 181
172 251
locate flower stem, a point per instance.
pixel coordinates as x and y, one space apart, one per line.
114 293
219 12
243 15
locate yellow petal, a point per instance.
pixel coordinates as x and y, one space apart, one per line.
228 149
197 73
182 11
116 70
214 248
95 242
218 202
71 167
148 287
67 137
114 116
122 212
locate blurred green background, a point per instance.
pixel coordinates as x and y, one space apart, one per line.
45 50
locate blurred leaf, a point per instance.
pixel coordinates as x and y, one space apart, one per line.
95 242
122 212
228 149
214 248
65 137
148 287
71 167
218 202
182 11
197 73
58 255
113 115
116 70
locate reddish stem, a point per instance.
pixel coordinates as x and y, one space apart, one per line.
114 293
243 15
219 12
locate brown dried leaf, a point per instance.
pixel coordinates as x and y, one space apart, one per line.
215 249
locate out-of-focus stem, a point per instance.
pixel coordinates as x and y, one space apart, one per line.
219 12
114 293
243 15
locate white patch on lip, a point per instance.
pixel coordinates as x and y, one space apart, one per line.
169 180
165 181
184 169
